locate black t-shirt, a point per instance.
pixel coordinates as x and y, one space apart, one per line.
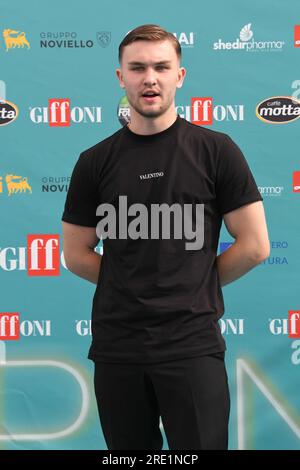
156 300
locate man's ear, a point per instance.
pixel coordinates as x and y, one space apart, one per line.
119 75
182 75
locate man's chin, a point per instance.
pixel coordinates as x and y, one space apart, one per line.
150 113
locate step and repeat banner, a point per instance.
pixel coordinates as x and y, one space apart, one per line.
59 95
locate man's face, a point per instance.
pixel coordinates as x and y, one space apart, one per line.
150 66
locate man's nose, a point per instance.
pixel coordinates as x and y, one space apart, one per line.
150 76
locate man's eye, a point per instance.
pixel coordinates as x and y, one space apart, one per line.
142 68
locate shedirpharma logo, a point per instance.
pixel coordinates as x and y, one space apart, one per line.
247 43
160 222
278 110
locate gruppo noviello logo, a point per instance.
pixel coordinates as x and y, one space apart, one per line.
246 42
73 40
278 110
8 110
15 39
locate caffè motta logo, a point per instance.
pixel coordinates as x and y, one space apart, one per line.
278 110
8 111
15 39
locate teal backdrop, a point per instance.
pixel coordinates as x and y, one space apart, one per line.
237 55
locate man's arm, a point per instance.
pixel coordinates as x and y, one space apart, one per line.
78 246
247 225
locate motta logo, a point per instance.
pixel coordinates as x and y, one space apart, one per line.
203 112
14 39
278 110
60 114
8 112
15 184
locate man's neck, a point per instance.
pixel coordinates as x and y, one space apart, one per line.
149 127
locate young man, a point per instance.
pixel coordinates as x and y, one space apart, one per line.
157 191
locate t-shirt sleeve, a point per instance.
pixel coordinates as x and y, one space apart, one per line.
235 184
81 201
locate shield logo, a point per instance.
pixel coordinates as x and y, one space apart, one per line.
103 38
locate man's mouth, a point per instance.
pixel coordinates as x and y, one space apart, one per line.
150 96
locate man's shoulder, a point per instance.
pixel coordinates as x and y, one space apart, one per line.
205 133
103 145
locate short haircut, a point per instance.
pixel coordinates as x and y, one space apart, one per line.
149 32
